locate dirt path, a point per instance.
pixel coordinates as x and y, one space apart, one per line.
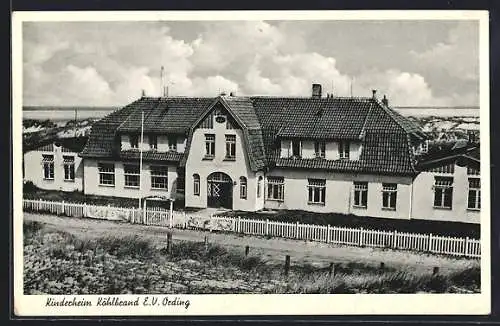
274 249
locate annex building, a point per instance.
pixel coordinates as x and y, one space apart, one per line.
348 155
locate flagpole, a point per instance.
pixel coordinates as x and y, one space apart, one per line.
140 159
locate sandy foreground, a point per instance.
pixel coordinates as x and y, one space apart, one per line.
272 250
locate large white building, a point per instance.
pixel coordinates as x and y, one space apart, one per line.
346 155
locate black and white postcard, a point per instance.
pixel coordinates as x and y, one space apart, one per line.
251 163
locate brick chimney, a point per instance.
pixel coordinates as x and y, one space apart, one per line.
374 93
316 90
385 101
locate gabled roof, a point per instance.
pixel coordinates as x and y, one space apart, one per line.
242 110
73 144
383 133
469 153
320 118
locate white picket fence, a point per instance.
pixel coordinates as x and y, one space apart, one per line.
329 234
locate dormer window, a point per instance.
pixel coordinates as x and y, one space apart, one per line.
172 144
319 149
134 141
153 142
296 148
344 149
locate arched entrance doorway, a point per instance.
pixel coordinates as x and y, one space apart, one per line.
220 190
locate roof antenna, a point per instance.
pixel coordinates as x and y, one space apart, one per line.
162 83
352 81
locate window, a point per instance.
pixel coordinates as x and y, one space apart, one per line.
296 148
259 186
48 167
344 150
319 149
316 191
153 142
134 141
243 188
472 171
443 192
209 145
196 184
172 144
230 147
159 177
424 147
106 174
445 169
474 198
69 168
389 195
361 194
132 175
275 188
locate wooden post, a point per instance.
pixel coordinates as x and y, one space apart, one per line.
169 242
267 226
435 270
184 221
238 225
382 265
247 249
361 237
429 247
394 236
466 253
296 230
206 243
331 270
171 214
328 228
287 264
62 207
145 212
84 210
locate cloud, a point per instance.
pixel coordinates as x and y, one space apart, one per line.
110 63
457 56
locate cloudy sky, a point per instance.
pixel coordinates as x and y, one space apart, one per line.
109 63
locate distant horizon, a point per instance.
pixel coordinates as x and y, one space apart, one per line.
97 108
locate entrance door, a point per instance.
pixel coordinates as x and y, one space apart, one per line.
220 190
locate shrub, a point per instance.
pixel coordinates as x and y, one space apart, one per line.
29 187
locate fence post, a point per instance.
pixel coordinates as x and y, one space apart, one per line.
184 220
247 249
169 242
466 253
328 233
238 225
361 237
84 210
62 207
296 230
206 243
267 226
394 235
429 247
331 270
287 264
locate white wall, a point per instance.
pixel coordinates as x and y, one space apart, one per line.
92 186
340 192
331 149
423 198
33 169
